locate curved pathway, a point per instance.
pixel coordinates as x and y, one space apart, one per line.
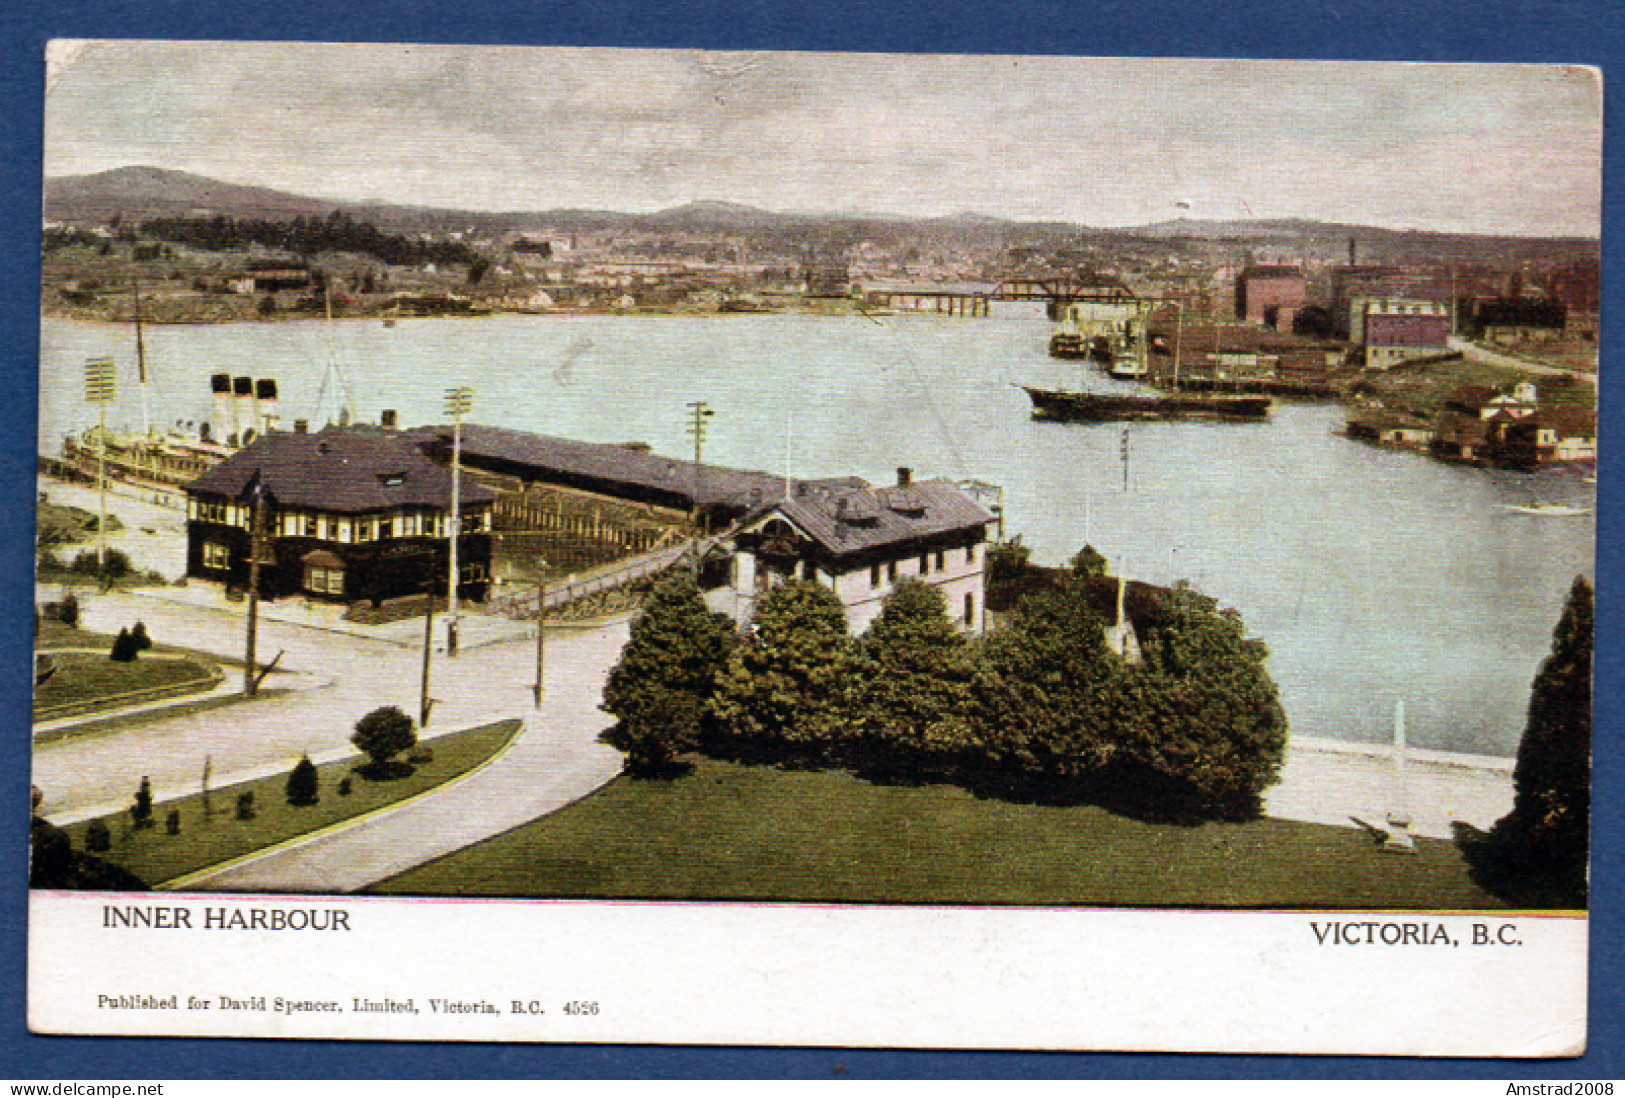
555 760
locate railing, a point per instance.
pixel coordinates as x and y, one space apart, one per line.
556 595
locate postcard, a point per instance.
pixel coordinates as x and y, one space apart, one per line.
602 545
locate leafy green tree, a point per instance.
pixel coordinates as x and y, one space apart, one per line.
782 696
302 783
659 689
1088 562
1542 845
912 703
1044 703
125 648
383 734
1200 729
139 638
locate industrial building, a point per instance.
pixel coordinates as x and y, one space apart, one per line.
1270 294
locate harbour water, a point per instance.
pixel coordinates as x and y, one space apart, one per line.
1372 575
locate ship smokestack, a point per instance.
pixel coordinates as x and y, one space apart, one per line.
905 476
267 409
243 398
225 413
387 419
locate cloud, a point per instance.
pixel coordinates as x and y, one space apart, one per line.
1104 141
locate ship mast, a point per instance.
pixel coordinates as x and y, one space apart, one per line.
141 361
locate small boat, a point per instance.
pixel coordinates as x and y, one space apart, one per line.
1075 406
1551 510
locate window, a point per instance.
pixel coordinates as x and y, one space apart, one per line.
874 574
310 526
209 511
216 555
970 554
970 611
324 580
363 530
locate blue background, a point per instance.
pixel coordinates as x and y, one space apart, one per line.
1588 32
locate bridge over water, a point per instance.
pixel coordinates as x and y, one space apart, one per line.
977 299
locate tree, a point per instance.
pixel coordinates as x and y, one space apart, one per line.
383 734
125 649
782 695
139 638
1541 847
659 689
1043 706
913 699
141 810
302 783
1088 563
1200 728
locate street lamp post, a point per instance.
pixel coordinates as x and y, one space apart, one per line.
459 402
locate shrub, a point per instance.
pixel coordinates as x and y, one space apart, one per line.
172 822
302 786
344 786
138 636
124 648
97 838
421 756
245 806
383 734
114 565
141 810
67 612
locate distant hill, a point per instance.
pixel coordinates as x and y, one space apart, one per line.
140 193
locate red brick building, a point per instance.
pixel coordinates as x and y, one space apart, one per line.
1270 295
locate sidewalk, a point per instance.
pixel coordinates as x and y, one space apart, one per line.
1331 782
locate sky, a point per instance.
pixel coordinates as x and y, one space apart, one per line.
1512 149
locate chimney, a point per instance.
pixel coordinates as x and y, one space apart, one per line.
265 402
840 508
242 389
301 426
225 413
905 476
387 419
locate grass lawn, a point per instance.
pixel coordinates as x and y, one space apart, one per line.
85 682
204 841
727 832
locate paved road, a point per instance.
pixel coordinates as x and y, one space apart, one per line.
557 759
93 775
1475 353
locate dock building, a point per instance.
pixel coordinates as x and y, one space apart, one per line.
347 514
861 541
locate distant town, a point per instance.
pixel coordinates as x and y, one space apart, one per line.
345 543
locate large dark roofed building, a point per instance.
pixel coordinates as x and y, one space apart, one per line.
348 514
618 472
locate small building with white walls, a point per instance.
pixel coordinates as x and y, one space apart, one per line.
861 541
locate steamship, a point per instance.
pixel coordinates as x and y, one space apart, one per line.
244 409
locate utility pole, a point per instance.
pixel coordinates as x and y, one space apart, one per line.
698 413
541 633
101 387
459 402
256 491
426 703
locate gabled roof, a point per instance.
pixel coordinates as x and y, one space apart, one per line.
845 520
339 469
607 465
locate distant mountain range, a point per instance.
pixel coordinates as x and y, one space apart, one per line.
141 193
